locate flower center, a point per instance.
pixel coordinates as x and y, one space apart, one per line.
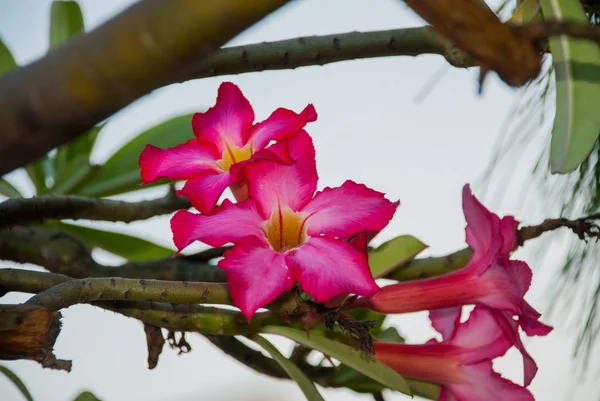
285 229
233 154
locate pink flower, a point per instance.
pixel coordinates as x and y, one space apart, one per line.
461 363
225 139
490 278
285 233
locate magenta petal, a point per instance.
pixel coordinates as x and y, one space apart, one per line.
326 267
480 337
256 274
511 330
483 231
176 163
485 385
228 121
347 210
205 189
281 124
275 185
229 223
446 320
508 228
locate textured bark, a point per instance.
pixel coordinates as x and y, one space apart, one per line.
151 44
29 332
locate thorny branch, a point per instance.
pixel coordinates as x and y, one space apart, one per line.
21 211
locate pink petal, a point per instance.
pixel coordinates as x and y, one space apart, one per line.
348 209
360 242
177 163
511 330
281 124
446 395
274 185
229 223
205 189
530 323
508 228
326 268
446 320
483 234
480 337
256 274
485 385
228 121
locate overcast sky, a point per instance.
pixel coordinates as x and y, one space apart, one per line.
370 129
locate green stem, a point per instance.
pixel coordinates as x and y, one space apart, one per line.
432 266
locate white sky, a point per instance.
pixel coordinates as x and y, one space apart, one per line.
370 129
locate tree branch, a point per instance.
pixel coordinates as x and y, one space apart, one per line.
60 253
20 211
320 50
115 289
584 228
96 74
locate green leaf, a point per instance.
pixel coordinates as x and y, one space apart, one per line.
72 162
7 61
37 174
394 253
17 382
87 396
348 377
66 21
306 385
7 189
121 172
131 248
577 69
358 360
390 335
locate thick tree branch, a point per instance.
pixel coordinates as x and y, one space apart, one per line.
21 211
151 44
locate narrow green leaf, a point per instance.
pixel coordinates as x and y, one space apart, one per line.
37 175
358 360
72 162
131 248
7 61
17 382
306 385
66 21
7 189
121 172
393 253
348 377
87 396
577 70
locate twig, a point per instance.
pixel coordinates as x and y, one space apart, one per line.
20 211
541 30
584 228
